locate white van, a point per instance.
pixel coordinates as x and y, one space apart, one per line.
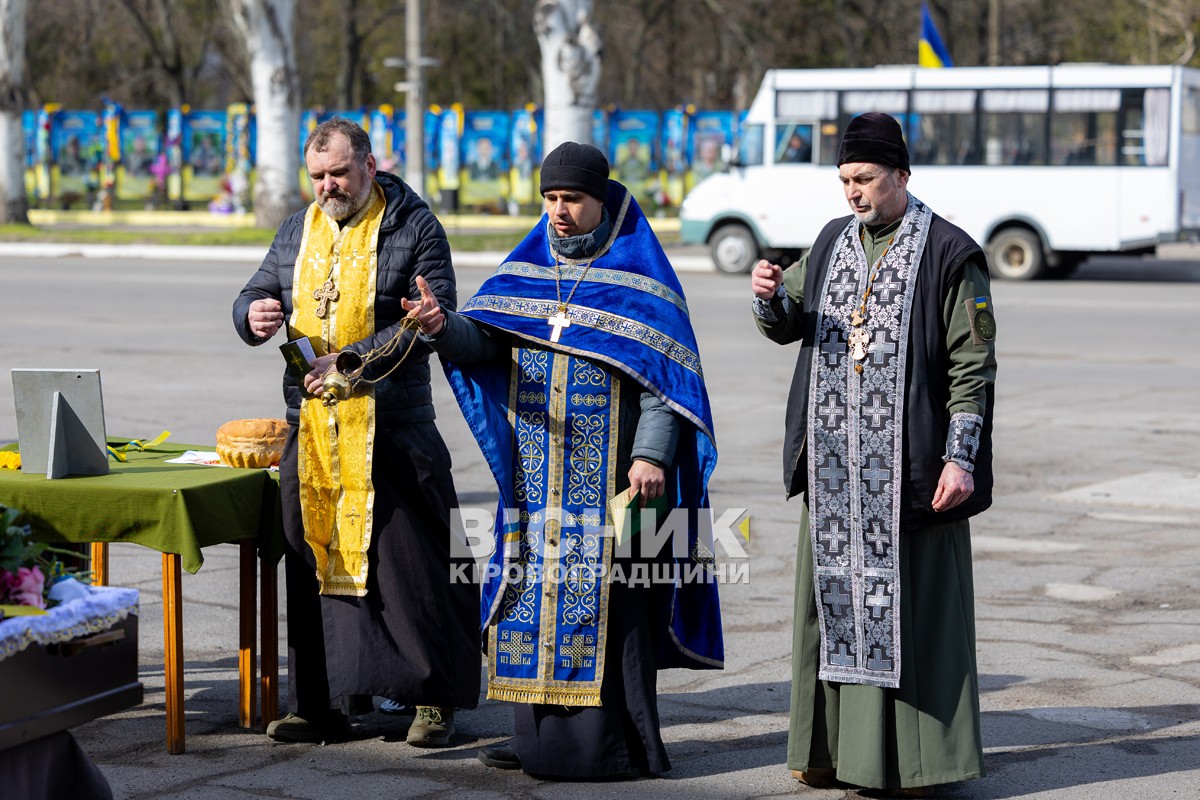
1042 165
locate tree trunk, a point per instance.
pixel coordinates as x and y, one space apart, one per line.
571 50
266 29
14 208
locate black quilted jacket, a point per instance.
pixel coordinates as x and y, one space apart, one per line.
411 242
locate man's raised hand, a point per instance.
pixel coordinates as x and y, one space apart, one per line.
765 279
427 312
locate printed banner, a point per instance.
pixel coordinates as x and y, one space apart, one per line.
484 149
709 132
631 152
142 166
202 136
77 144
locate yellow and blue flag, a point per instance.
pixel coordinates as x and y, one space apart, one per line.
931 52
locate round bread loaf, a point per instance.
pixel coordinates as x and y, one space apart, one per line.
251 442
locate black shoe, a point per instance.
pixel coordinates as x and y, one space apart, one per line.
500 756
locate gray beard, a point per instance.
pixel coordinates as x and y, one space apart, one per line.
340 208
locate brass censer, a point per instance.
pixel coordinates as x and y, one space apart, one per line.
345 373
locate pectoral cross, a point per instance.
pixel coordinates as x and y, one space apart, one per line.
323 295
558 322
859 338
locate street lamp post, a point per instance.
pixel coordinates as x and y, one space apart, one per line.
414 103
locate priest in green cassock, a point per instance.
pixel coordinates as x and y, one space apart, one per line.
888 435
577 370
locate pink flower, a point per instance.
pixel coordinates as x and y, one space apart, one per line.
25 588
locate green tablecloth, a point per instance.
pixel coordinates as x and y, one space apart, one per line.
172 508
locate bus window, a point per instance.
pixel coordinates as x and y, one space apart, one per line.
750 146
831 142
1145 119
943 128
1083 130
793 143
1014 126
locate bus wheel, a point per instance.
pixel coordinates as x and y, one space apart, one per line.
734 249
1016 255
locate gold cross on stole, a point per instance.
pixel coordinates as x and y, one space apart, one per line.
577 651
323 295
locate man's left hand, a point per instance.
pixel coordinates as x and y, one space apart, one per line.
954 487
648 480
314 379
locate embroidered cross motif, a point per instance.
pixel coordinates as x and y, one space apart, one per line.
558 322
876 410
877 661
887 286
579 653
833 473
836 599
877 537
881 348
517 646
834 536
843 657
878 600
876 474
326 293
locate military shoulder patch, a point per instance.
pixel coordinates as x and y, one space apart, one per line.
983 323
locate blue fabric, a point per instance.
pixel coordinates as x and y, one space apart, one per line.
628 313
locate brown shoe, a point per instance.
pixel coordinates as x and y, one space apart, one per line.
816 777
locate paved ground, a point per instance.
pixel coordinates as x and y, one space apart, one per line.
1088 618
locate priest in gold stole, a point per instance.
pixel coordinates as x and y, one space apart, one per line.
372 605
577 370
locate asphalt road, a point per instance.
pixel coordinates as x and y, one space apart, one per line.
1085 568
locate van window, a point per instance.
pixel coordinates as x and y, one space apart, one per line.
793 143
750 146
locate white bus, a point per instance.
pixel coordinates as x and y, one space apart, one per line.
1041 165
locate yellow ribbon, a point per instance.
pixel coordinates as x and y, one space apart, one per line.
137 444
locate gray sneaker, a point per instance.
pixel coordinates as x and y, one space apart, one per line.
432 727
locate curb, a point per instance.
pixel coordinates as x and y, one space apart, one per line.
471 259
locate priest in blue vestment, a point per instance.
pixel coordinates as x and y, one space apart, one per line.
577 370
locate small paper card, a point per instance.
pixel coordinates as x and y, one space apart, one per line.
300 356
626 512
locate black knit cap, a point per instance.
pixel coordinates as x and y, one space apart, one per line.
576 166
874 138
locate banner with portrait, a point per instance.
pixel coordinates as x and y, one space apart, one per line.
240 156
432 150
309 119
383 145
674 155
525 157
631 153
449 136
484 149
202 138
76 145
142 166
708 134
599 130
29 129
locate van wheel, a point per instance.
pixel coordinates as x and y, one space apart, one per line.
734 249
1016 255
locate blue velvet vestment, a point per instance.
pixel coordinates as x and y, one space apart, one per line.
628 316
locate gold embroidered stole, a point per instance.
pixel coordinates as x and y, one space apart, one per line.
336 442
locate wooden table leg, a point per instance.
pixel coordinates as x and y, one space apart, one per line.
99 564
270 641
247 631
173 645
